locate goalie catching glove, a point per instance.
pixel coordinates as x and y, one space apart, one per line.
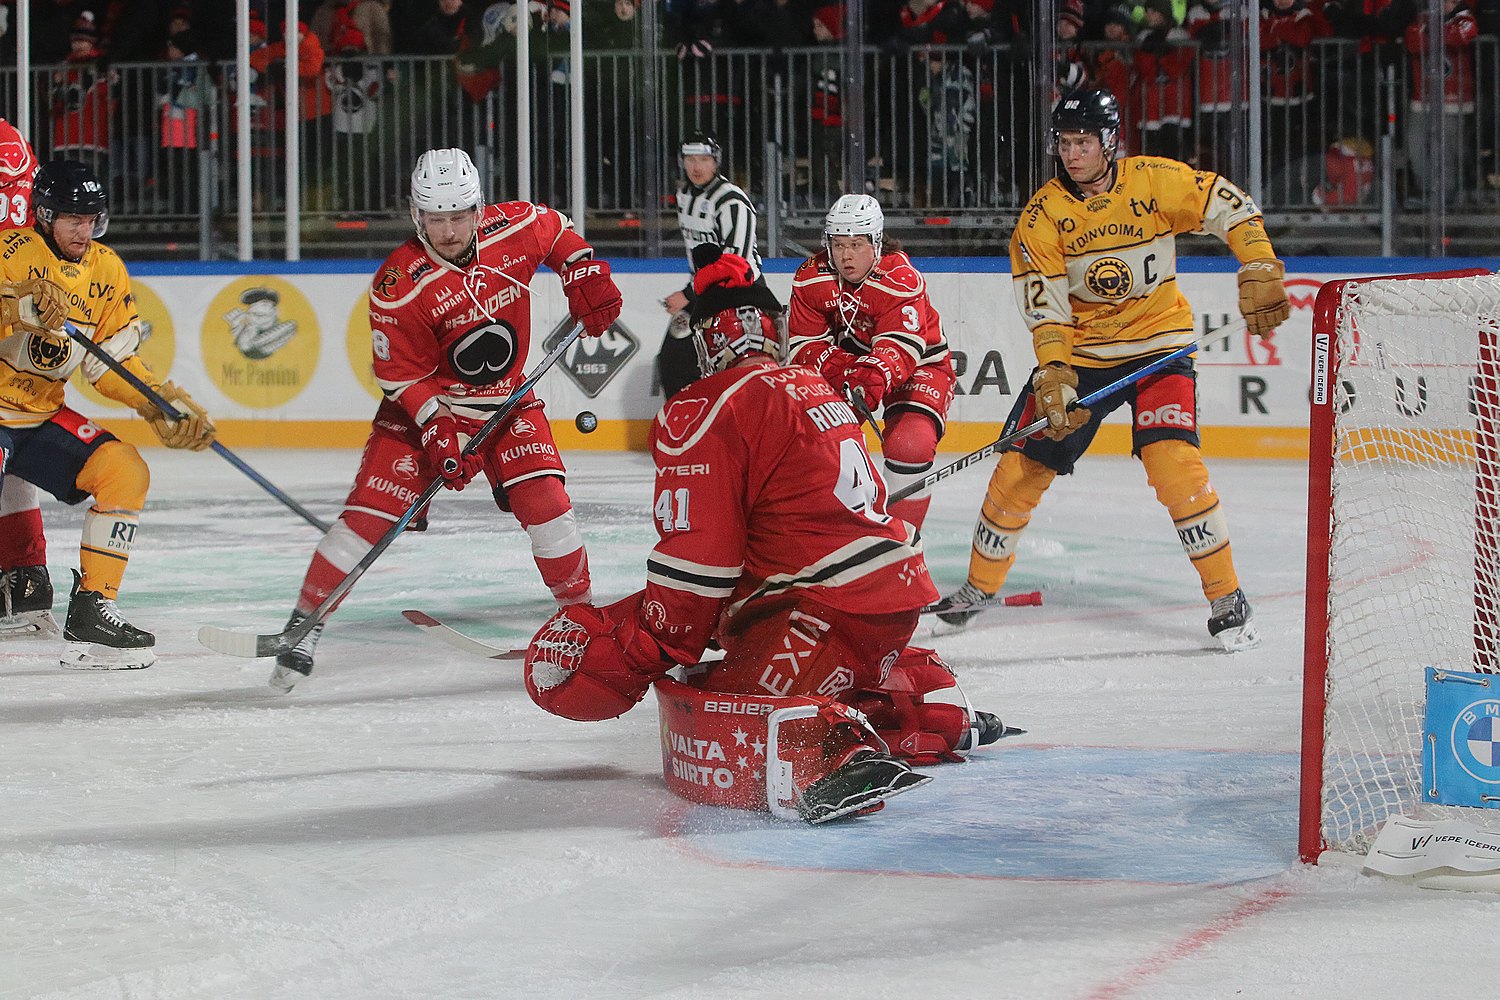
1263 300
1056 389
195 431
37 305
593 298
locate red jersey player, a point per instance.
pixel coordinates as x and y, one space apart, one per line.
860 317
450 319
25 586
774 540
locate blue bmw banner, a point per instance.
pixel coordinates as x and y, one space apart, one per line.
1461 743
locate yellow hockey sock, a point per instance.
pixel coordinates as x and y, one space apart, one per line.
1176 472
1016 487
118 479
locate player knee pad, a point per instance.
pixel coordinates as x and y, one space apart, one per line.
1014 490
538 501
116 477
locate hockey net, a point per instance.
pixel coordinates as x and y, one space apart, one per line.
1401 556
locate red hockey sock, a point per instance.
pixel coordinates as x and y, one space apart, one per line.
543 508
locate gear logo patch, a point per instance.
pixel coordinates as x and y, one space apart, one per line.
593 362
1109 278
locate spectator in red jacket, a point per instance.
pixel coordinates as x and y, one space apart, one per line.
1452 111
1287 30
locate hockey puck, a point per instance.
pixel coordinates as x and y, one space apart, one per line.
586 422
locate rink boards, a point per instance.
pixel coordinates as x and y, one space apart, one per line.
279 352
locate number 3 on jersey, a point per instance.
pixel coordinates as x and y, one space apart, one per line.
859 484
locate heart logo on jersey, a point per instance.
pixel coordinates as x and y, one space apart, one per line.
681 416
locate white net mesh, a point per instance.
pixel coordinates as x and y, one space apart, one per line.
1415 411
556 651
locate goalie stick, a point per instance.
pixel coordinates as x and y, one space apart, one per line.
453 637
1039 424
1029 599
232 643
113 364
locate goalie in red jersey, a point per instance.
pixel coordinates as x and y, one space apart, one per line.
773 540
450 324
860 317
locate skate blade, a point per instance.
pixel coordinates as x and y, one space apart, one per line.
860 804
1237 640
30 625
283 679
92 656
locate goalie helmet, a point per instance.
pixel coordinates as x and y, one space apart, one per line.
701 144
444 180
68 187
855 215
1094 111
733 314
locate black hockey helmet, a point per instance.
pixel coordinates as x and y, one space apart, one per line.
701 144
1094 110
69 187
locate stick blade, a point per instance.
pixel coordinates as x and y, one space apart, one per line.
453 637
246 644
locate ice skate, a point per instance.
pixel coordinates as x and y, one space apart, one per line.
991 730
960 615
99 638
26 604
862 783
297 662
1231 622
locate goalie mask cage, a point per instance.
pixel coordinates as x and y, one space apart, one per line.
1403 491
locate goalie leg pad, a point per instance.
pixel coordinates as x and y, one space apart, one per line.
1176 472
792 645
763 752
917 730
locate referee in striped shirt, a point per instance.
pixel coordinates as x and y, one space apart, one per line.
710 209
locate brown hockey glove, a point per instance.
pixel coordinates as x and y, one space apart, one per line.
1056 389
195 431
1263 300
37 305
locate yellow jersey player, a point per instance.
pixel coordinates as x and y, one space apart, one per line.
53 272
1093 261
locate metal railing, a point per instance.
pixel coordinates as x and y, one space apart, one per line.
949 134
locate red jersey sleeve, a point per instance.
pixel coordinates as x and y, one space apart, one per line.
905 329
403 342
702 477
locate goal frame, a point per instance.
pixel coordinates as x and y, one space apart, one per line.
1320 525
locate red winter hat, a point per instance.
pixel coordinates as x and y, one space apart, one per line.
84 29
257 27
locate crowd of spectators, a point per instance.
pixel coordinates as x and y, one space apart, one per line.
1169 62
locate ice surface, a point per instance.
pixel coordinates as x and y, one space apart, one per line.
406 824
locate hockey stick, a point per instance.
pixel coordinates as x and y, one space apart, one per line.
173 413
858 402
1039 424
453 637
1030 599
223 640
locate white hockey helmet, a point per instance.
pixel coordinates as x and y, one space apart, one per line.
444 180
855 215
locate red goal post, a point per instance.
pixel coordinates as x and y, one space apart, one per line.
1401 536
